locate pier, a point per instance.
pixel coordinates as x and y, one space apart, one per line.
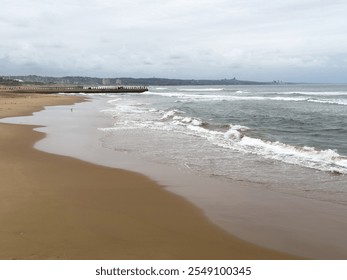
74 89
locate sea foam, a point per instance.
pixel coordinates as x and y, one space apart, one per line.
139 115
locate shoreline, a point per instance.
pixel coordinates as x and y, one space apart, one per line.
283 222
56 207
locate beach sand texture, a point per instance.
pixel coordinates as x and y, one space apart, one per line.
55 207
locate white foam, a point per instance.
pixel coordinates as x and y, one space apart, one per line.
137 116
238 127
234 138
114 101
300 99
325 160
230 97
280 98
329 101
233 134
321 93
177 118
196 122
93 94
171 114
201 89
180 120
187 120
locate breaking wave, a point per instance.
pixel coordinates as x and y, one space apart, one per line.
235 137
184 97
201 89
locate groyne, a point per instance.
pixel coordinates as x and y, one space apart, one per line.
74 89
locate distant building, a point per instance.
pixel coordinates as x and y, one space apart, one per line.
106 82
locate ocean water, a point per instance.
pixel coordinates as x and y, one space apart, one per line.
265 163
288 138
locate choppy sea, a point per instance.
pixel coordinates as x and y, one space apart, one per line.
266 163
291 138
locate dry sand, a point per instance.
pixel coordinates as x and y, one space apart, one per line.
55 207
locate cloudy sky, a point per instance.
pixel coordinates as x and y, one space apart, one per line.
264 40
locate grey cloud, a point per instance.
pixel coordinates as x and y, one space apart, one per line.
176 57
184 39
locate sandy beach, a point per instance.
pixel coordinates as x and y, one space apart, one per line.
55 207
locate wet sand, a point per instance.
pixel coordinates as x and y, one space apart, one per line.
56 207
297 225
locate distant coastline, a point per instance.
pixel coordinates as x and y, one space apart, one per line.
78 80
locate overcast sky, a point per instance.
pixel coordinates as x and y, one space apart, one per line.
264 40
